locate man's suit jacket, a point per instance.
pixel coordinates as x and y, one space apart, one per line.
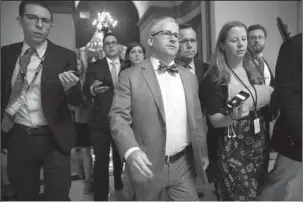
137 116
272 78
53 98
287 134
99 70
201 68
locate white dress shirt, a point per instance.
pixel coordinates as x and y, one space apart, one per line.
31 113
266 73
118 65
174 102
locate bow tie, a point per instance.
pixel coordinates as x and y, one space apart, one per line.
172 69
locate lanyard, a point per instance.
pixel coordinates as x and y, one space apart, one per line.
254 100
23 74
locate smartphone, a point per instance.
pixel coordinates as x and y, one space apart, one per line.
236 101
106 82
76 73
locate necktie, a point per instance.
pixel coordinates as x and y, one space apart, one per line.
261 64
172 69
114 73
8 120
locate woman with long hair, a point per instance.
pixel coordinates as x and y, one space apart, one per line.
237 141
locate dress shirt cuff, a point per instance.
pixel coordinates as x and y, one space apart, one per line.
129 151
67 90
92 91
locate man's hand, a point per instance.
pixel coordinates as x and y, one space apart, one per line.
98 88
205 162
68 79
138 164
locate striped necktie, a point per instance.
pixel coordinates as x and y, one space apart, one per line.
8 120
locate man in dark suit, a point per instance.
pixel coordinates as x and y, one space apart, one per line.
157 123
101 79
186 58
257 36
188 50
37 83
284 181
256 40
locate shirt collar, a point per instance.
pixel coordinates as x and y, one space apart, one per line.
109 61
155 62
40 49
192 64
260 55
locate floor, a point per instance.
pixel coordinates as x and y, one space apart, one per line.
77 187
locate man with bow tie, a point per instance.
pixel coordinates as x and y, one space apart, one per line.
156 121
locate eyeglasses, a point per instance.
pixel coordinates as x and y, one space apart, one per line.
111 43
254 38
168 35
185 41
35 19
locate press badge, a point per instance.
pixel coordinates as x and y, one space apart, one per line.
14 107
257 125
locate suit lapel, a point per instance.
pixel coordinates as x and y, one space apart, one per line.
199 70
9 64
49 71
151 79
105 71
187 86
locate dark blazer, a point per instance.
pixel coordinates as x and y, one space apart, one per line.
99 70
201 68
269 112
53 98
287 134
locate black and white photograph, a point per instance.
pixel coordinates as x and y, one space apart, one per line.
151 100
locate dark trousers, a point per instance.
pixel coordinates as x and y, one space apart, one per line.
27 154
101 145
118 166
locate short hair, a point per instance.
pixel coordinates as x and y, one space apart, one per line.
255 27
157 21
185 26
39 3
109 34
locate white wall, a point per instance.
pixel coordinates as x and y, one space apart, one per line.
63 32
259 12
11 32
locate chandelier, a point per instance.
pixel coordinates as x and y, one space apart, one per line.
104 21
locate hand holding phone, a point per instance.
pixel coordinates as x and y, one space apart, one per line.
99 87
68 79
236 109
